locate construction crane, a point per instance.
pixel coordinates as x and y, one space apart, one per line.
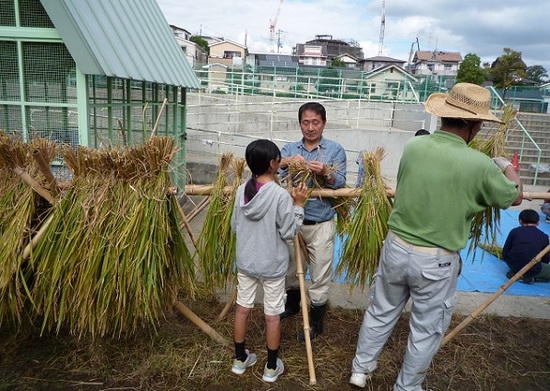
273 26
382 28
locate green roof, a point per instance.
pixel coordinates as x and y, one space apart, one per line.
129 39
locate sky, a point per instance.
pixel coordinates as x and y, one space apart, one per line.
482 27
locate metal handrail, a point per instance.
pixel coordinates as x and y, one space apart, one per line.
526 134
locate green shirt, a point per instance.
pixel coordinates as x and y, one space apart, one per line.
441 185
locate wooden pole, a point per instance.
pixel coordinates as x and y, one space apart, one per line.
228 305
501 290
344 192
34 184
200 206
185 311
186 224
158 117
46 171
305 310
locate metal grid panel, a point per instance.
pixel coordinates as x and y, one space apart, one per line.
9 75
32 14
47 70
7 13
55 123
135 104
10 119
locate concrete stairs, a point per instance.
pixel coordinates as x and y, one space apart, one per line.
538 127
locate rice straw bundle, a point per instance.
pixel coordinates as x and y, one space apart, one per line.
227 258
113 256
21 211
492 249
213 237
486 223
368 227
298 172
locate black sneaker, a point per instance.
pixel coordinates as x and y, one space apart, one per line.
527 280
510 274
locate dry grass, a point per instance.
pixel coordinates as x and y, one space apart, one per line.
491 354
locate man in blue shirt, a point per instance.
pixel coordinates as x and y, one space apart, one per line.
326 161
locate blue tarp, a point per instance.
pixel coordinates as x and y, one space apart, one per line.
483 272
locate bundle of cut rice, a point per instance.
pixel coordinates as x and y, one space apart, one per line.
365 233
113 257
22 211
486 224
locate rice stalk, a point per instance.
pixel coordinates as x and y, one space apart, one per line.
210 242
365 233
113 257
298 172
486 224
21 212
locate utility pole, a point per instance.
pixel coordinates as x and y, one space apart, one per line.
273 25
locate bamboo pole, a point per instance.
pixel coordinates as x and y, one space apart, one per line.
501 290
186 225
158 117
122 132
200 206
305 311
343 192
46 171
228 305
185 311
34 184
34 241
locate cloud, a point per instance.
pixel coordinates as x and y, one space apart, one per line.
470 26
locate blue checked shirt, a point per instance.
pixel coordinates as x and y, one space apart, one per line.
331 154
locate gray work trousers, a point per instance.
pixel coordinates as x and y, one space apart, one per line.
426 275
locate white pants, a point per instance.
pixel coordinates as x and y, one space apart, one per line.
428 276
274 293
319 239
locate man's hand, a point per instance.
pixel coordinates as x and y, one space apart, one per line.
318 168
502 163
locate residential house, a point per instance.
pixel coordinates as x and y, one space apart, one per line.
229 53
368 64
196 55
311 55
349 60
436 63
321 50
388 82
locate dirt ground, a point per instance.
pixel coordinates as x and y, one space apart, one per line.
492 353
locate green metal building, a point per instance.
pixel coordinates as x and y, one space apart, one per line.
92 72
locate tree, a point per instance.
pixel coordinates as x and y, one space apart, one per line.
337 63
536 73
508 69
470 70
201 42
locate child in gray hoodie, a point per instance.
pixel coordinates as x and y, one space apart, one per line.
264 217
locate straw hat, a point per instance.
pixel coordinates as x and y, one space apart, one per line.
467 101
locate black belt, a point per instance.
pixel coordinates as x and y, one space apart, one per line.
310 222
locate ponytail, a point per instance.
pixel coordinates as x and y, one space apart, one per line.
250 188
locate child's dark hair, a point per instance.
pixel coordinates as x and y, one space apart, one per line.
529 216
258 155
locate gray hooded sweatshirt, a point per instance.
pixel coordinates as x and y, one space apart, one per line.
261 227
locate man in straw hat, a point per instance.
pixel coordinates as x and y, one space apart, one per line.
441 185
